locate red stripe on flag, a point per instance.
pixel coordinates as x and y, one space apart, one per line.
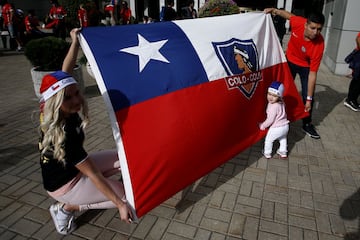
172 140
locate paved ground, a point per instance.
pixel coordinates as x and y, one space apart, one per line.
313 195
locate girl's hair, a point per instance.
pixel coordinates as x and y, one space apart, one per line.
53 123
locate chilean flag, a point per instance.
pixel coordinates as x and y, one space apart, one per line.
185 96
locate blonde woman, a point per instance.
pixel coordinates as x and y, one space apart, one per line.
77 180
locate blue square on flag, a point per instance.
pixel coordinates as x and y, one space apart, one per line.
154 61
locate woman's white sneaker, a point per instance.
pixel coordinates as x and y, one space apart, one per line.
63 220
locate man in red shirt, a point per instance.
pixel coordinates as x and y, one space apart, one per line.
82 16
57 16
8 13
304 53
125 13
32 26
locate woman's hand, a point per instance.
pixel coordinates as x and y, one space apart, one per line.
70 59
73 34
125 212
88 168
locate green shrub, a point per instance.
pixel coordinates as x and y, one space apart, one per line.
218 8
47 53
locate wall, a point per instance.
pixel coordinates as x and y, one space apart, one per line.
341 27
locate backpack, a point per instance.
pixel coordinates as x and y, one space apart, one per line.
353 59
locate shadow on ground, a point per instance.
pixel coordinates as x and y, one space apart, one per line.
88 216
13 155
350 210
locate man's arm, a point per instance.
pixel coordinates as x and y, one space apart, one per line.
358 41
311 89
282 13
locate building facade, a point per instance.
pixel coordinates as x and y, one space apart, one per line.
341 27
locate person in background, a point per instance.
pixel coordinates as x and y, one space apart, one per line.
354 88
10 23
189 11
110 10
147 19
125 13
82 16
57 16
32 26
304 53
3 31
169 11
78 181
276 121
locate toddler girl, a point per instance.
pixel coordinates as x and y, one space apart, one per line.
276 120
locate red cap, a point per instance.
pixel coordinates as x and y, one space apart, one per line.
54 82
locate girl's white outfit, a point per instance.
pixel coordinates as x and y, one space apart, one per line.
279 127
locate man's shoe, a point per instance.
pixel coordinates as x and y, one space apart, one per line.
352 105
309 129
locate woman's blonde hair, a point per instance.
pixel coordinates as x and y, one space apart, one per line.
53 122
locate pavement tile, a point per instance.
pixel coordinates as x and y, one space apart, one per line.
273 227
25 227
159 228
281 213
251 228
214 225
196 215
303 222
202 234
323 222
270 236
181 229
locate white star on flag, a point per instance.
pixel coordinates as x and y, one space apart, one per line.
146 51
